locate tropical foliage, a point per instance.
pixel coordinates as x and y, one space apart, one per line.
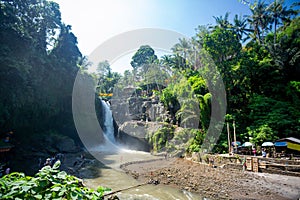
48 183
39 61
257 57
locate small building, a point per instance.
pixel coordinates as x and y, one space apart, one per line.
288 145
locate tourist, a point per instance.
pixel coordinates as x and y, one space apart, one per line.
48 162
82 157
52 160
211 162
40 162
1 171
263 153
7 171
244 163
8 136
254 152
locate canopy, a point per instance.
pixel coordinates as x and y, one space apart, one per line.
238 143
280 144
267 144
247 144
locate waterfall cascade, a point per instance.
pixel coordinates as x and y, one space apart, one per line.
108 123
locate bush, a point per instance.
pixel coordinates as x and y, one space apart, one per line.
48 183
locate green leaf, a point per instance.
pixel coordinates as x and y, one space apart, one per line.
25 188
74 195
62 175
56 165
38 196
56 189
62 192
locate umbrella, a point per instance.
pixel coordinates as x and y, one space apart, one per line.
247 144
267 144
238 143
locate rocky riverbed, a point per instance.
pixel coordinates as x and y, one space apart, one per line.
216 183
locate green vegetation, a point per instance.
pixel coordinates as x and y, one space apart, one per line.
106 78
48 183
39 61
257 57
159 139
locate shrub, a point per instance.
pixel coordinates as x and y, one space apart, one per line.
48 183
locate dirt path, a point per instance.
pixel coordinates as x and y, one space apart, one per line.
217 183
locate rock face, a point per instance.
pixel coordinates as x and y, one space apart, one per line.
66 145
134 134
139 109
136 116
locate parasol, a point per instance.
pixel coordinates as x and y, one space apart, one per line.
267 144
247 144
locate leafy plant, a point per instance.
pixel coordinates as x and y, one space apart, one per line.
48 183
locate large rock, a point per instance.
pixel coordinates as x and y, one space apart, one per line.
139 129
139 109
66 145
134 134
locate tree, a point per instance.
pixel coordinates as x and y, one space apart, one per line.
259 20
144 55
240 27
39 60
103 68
279 14
106 78
222 22
183 48
222 44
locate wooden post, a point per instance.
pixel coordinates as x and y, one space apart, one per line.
228 135
234 137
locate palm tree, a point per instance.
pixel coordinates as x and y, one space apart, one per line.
279 14
259 19
240 27
183 49
222 22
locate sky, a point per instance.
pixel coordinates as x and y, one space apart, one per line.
96 21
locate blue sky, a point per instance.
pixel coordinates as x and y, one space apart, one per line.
95 21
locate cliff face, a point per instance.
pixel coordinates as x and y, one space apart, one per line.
136 116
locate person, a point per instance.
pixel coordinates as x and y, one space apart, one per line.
48 162
52 160
1 170
254 152
8 136
263 153
82 157
7 171
211 162
40 162
244 163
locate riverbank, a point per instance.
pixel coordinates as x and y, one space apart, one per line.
215 183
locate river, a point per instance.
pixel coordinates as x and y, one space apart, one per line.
113 177
112 155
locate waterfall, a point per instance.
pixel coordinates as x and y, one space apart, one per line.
108 123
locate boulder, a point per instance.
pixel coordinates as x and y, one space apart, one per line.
66 145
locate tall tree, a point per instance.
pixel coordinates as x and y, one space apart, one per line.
144 55
222 22
182 49
259 20
240 27
279 14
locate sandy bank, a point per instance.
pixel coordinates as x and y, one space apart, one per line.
216 183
